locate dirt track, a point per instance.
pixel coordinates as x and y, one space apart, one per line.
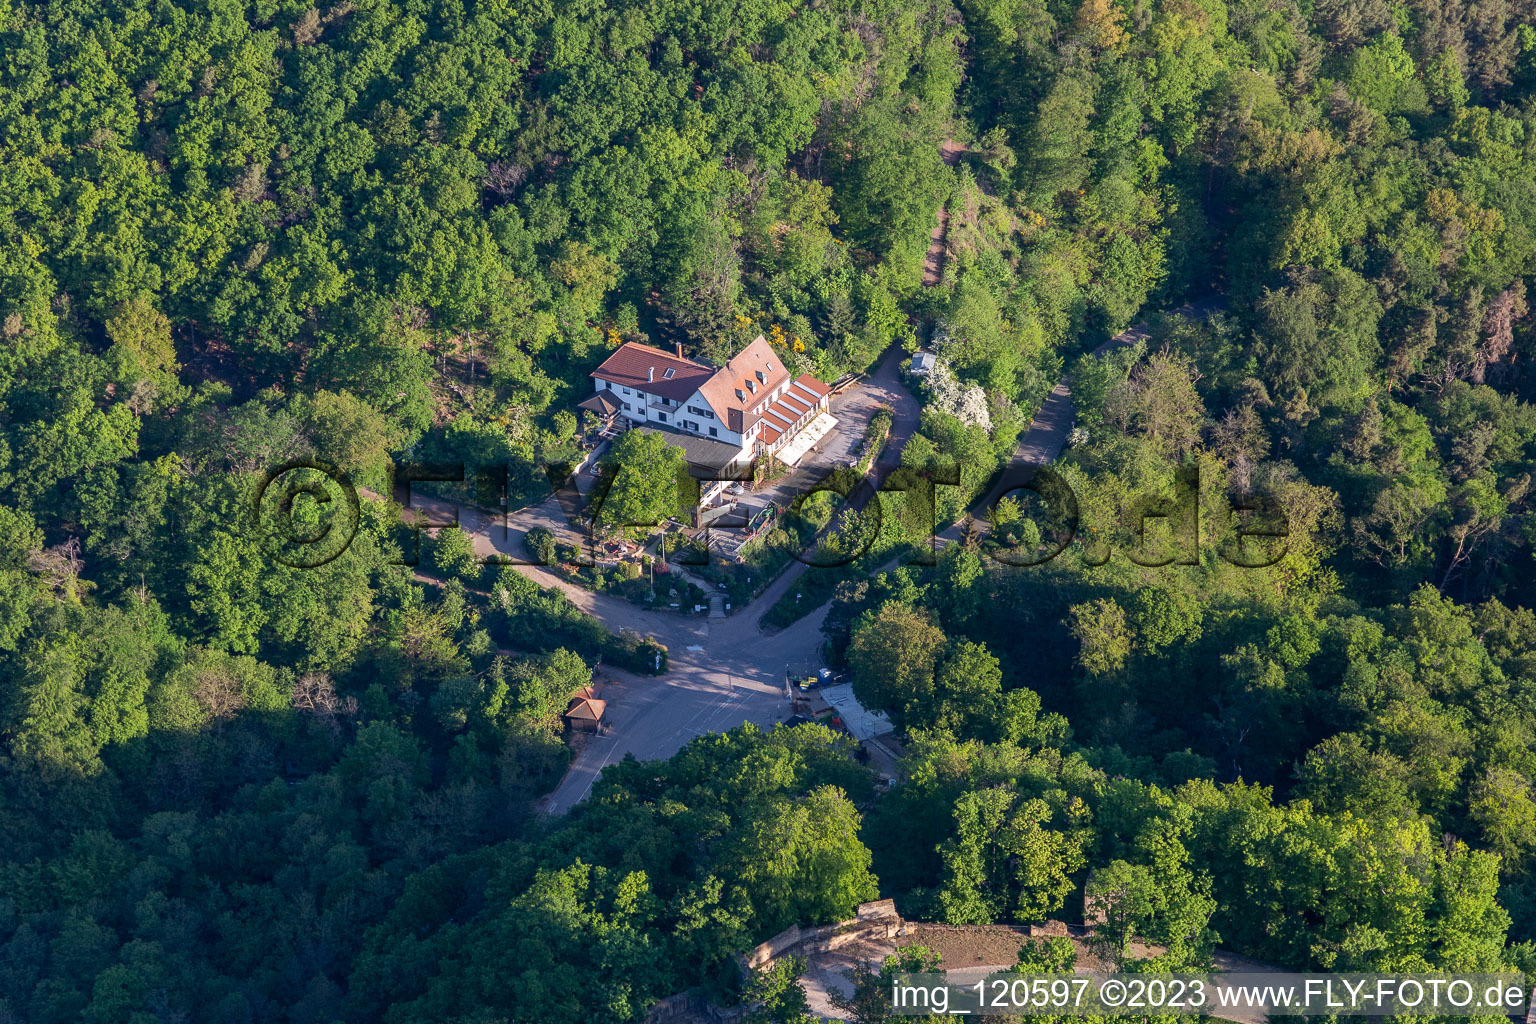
933 262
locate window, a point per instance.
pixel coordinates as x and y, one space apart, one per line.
662 416
713 432
625 390
608 385
668 373
627 407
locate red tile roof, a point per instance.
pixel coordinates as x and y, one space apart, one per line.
793 409
813 385
732 391
588 708
740 384
645 368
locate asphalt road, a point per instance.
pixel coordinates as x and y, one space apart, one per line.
737 675
722 672
1049 431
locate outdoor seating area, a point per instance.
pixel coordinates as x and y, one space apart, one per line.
807 439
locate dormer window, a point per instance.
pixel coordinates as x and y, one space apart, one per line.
740 396
752 387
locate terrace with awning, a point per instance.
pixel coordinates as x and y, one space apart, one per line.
785 422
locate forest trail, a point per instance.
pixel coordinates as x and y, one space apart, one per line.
933 261
1051 428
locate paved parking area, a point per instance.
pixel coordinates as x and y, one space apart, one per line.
853 410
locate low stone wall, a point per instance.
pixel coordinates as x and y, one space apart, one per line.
766 952
875 920
691 1007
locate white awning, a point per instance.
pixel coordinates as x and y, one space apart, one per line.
862 723
795 450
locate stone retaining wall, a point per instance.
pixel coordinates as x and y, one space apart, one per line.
876 920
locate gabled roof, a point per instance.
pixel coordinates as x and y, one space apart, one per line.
640 366
740 384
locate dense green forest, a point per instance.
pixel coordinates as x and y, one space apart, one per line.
237 234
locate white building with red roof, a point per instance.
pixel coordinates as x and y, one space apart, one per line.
751 406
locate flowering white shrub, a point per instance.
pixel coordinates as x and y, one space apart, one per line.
966 402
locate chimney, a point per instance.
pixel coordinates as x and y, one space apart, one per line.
679 350
650 374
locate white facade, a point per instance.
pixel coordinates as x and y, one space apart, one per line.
749 406
692 416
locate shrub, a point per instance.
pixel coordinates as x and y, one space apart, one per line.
629 650
540 542
453 555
